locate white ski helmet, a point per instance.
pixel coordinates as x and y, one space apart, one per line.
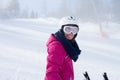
68 20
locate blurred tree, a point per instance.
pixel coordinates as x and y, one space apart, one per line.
86 10
33 15
116 10
13 8
10 9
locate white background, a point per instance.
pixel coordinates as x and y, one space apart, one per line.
23 49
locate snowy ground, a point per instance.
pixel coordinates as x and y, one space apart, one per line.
23 51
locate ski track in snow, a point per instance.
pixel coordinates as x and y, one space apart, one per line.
23 52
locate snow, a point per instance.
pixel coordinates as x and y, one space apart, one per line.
23 49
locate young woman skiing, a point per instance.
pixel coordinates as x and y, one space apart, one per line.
62 48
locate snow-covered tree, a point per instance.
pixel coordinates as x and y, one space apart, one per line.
33 15
10 9
13 8
116 10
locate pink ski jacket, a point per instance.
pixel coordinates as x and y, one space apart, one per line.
59 64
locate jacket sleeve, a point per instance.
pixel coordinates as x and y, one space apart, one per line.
55 60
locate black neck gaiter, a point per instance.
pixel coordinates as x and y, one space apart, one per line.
72 49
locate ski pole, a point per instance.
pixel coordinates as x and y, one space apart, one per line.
86 76
105 76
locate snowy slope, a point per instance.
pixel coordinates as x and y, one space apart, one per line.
23 51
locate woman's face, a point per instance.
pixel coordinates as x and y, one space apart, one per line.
69 36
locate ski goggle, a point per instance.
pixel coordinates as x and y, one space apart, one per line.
69 29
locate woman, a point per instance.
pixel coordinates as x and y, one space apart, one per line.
62 49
